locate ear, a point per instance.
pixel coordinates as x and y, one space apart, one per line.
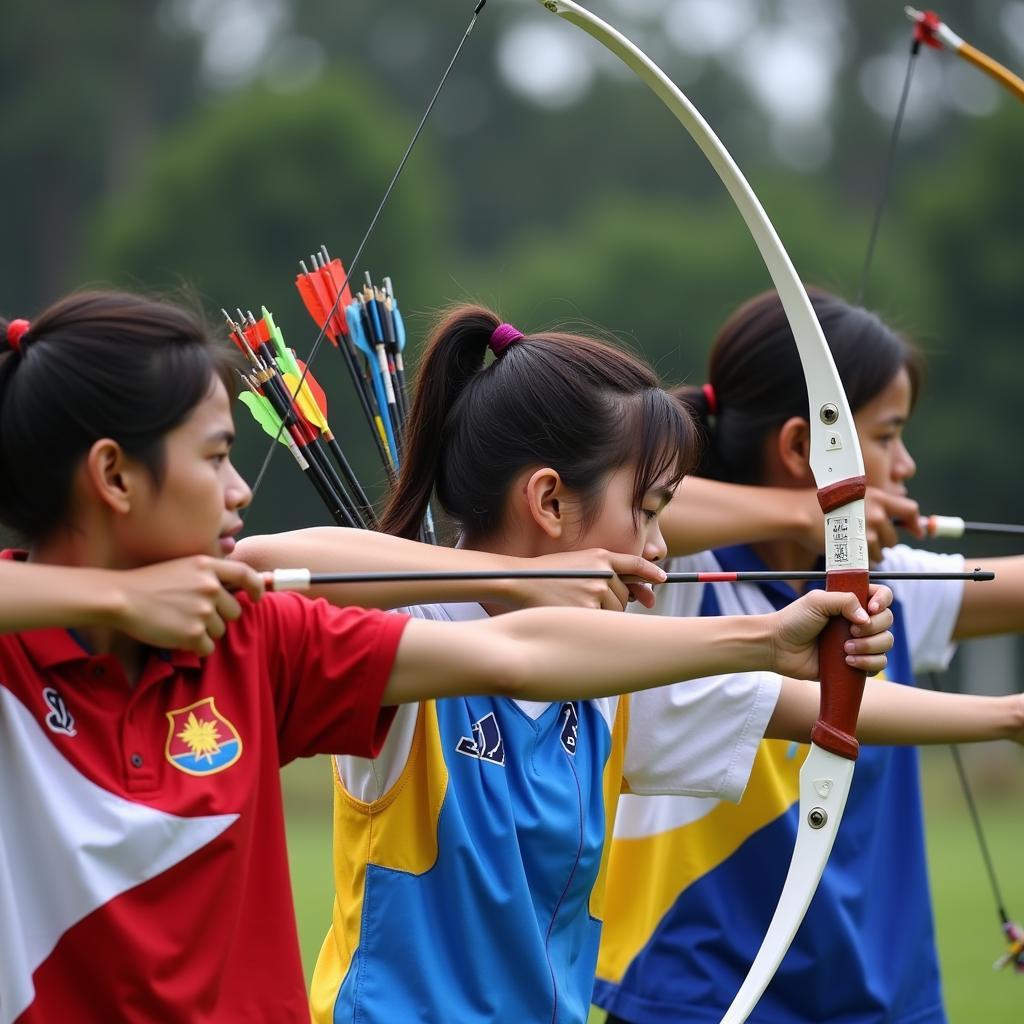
111 477
544 493
793 449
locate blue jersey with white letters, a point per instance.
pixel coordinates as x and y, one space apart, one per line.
468 859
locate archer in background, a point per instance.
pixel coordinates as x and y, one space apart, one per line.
678 942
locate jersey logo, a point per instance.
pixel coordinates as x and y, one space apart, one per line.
570 727
486 743
200 740
60 718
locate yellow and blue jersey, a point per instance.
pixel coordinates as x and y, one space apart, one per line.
469 857
693 884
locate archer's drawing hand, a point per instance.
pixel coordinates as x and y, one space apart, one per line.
183 604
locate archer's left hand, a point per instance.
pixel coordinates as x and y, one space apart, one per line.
794 641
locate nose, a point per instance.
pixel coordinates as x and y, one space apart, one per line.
655 548
904 466
237 493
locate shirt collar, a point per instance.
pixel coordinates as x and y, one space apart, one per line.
57 646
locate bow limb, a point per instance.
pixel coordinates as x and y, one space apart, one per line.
839 474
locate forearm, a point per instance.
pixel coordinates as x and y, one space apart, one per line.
895 715
39 596
567 654
707 514
336 549
996 607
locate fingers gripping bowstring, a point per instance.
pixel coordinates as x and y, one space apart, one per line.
353 263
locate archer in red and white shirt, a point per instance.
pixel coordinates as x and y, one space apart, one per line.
143 870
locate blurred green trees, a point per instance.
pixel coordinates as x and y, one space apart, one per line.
131 156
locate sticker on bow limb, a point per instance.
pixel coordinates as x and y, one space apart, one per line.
846 544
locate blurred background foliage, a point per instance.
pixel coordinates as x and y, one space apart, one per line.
205 146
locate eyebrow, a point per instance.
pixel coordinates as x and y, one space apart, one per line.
225 436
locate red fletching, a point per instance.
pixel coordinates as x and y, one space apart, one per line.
313 298
335 273
925 29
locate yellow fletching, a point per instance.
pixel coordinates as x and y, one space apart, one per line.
305 401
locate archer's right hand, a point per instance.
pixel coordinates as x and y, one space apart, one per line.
184 604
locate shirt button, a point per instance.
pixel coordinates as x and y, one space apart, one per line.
136 760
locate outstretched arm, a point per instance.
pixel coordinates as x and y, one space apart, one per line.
997 607
181 604
904 715
336 549
707 514
569 654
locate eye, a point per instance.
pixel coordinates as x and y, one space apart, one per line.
219 458
650 514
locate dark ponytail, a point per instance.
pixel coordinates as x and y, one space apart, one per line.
580 406
94 365
756 382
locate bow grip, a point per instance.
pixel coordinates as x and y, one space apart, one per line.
842 687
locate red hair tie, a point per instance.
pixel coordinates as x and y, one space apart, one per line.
712 398
16 330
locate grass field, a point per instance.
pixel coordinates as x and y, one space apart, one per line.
969 938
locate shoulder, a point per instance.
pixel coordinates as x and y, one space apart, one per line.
278 621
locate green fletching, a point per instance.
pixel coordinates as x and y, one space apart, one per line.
263 413
285 358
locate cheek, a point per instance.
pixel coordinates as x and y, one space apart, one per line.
878 465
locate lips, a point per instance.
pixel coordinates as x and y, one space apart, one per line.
227 538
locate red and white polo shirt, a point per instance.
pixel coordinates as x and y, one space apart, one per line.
143 869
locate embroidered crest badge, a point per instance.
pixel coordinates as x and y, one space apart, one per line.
200 740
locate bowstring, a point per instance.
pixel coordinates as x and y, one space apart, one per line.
353 263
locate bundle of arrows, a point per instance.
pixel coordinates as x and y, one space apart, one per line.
285 399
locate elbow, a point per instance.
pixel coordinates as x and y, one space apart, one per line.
252 551
512 674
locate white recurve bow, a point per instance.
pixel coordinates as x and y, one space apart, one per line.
839 475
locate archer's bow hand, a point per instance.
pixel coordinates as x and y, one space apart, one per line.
796 628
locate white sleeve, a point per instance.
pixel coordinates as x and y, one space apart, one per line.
699 738
369 779
930 607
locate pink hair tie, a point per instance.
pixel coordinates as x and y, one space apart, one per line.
712 398
16 330
502 336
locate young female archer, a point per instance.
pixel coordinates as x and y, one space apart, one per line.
149 691
678 945
468 856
